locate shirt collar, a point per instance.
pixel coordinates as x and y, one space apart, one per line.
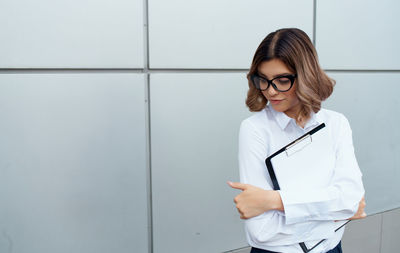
314 120
284 120
281 118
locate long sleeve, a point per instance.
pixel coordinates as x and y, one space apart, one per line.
337 201
271 227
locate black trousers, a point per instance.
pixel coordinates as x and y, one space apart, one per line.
337 249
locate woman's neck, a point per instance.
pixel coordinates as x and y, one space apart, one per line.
300 121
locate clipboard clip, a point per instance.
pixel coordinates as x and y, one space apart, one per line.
298 145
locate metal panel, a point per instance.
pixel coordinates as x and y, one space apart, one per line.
363 235
71 34
358 34
218 34
390 231
195 120
73 163
374 115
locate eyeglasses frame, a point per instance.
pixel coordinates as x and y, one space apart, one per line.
270 82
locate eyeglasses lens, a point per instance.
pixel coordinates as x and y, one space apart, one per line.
283 83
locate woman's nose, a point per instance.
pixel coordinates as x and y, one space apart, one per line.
271 91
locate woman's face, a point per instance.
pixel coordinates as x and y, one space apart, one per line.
287 101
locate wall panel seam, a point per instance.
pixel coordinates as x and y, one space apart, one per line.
146 35
314 38
148 167
148 124
154 71
381 236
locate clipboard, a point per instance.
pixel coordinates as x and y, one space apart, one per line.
294 162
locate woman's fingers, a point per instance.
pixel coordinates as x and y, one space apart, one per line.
237 185
360 214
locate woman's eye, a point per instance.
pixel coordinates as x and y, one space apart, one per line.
283 80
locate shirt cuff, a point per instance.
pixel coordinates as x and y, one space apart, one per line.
296 211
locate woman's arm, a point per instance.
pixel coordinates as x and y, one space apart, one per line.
253 201
340 200
268 227
267 217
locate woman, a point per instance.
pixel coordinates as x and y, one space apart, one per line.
286 88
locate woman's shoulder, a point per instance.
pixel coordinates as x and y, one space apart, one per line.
334 119
257 119
261 123
330 115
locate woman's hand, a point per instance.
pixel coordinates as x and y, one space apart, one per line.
253 201
360 214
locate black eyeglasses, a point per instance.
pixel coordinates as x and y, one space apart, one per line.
280 83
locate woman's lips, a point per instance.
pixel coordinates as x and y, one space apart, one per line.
275 101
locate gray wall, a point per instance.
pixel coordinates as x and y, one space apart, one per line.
120 118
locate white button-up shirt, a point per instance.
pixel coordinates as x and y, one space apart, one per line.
308 216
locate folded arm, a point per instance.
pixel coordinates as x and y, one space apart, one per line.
287 214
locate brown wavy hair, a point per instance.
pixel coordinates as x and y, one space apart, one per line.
294 48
